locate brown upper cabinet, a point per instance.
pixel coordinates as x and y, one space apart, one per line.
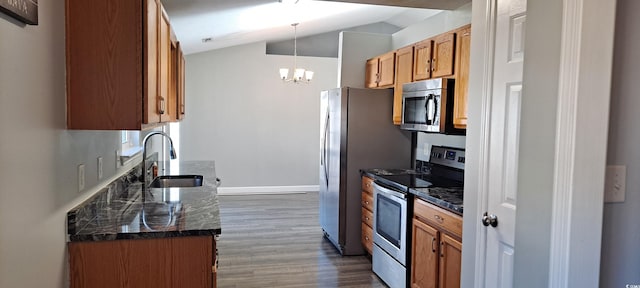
463 54
434 57
167 104
443 56
380 71
404 74
118 64
444 46
176 73
422 60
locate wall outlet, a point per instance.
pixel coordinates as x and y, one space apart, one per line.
615 183
80 177
426 149
99 168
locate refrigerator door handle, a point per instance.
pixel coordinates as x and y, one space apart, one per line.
323 159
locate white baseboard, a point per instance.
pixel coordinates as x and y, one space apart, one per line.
267 190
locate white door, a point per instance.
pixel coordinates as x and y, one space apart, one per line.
504 126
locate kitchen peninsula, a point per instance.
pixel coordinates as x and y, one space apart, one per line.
126 236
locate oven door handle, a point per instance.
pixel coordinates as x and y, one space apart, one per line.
388 192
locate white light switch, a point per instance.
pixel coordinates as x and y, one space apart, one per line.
80 177
99 168
615 183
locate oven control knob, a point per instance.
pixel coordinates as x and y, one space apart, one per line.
489 220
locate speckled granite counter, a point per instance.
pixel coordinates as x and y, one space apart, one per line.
119 211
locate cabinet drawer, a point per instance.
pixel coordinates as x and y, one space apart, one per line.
367 201
367 185
367 238
438 217
367 217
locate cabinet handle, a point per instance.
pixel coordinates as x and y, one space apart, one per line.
441 248
366 238
433 245
438 218
366 218
433 65
161 110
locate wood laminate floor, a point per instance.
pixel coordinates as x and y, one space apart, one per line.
276 241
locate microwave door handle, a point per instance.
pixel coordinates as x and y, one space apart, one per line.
430 108
435 108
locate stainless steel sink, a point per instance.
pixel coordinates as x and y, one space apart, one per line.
168 181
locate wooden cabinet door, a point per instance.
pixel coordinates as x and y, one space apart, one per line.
422 60
367 238
181 83
463 53
151 34
367 201
424 255
386 70
371 73
443 55
450 262
156 262
164 69
104 64
404 74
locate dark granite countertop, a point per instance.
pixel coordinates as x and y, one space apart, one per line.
119 211
447 198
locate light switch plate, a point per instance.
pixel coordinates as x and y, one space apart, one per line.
615 183
99 168
80 177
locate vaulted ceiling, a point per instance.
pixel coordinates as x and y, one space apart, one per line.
228 23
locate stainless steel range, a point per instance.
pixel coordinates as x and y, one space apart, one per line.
440 181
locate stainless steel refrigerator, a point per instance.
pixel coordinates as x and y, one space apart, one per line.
356 132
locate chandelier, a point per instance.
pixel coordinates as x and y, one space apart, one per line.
299 74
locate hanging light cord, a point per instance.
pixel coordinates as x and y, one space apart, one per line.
295 46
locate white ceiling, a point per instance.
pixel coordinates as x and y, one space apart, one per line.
237 22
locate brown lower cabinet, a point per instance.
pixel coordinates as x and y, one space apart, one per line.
367 214
157 262
436 247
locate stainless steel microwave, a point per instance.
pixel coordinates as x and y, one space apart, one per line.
427 106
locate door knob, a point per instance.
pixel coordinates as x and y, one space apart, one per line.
489 220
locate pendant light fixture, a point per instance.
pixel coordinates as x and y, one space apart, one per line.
299 74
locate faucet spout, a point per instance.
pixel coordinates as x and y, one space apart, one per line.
172 153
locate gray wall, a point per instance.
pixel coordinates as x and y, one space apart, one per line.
39 157
620 261
355 49
326 44
259 130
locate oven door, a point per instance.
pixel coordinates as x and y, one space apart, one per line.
390 222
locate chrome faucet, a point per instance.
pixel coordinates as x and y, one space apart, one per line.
172 153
